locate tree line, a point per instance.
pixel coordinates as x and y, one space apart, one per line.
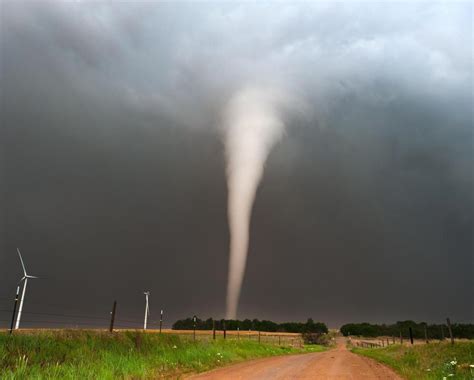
256 325
434 331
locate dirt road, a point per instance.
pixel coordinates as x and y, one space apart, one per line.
336 364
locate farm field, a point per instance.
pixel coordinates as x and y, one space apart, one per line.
81 354
435 360
279 338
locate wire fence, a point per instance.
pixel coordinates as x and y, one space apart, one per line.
39 319
51 320
284 339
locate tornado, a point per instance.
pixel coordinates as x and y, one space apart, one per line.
252 127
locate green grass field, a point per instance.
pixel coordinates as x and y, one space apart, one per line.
427 361
73 354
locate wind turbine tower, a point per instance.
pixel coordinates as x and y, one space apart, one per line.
24 279
147 309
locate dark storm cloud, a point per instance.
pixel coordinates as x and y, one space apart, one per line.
114 168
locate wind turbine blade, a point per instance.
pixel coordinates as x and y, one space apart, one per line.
28 276
21 259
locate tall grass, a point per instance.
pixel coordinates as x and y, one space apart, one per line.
436 360
73 354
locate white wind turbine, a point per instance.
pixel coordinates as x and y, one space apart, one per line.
25 278
147 309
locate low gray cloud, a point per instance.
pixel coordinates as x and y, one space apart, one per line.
111 144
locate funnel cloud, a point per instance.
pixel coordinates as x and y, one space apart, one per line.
253 126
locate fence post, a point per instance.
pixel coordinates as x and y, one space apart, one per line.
194 328
258 336
279 340
213 329
411 335
225 332
238 333
426 332
442 332
112 317
249 334
450 330
401 337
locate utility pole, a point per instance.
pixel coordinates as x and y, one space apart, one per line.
14 309
194 328
112 317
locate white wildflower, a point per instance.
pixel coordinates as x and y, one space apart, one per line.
175 347
454 362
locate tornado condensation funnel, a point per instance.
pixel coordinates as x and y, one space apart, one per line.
252 127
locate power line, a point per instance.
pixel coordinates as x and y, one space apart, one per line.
80 316
59 323
59 315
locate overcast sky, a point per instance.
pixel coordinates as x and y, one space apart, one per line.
113 172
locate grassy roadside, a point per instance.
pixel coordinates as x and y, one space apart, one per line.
72 354
427 361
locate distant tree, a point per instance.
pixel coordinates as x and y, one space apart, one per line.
294 327
246 324
434 331
208 324
316 338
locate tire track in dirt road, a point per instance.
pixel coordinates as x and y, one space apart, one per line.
336 364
